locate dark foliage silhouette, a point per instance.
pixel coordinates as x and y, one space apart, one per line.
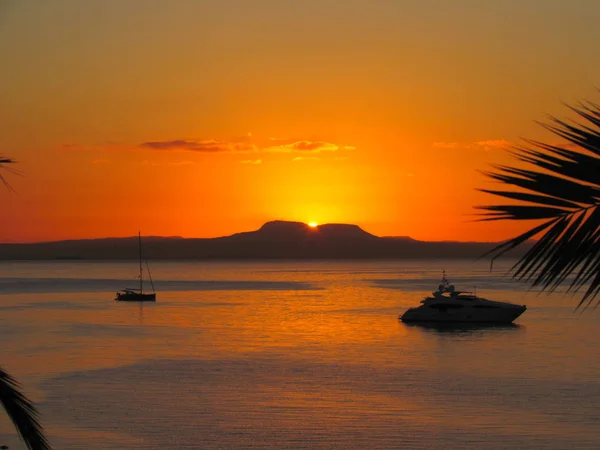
22 412
561 189
4 161
18 407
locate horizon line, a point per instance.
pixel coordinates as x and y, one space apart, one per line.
306 224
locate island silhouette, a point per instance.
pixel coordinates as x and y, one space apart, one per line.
274 240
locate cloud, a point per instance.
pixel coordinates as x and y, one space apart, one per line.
167 163
245 144
446 145
489 144
494 143
306 158
205 146
306 146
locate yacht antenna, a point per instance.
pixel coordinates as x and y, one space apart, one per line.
141 270
444 279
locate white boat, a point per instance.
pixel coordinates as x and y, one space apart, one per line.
450 305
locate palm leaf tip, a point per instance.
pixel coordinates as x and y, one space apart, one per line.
561 186
3 166
22 412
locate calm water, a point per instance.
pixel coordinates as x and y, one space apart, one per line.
288 355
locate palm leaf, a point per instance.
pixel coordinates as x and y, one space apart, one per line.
22 412
532 198
560 186
19 408
3 166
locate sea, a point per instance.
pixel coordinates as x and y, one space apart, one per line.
294 355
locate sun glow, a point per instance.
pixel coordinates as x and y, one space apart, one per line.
313 224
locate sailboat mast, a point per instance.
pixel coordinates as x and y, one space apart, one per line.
141 270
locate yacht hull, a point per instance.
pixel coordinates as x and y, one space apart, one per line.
463 315
137 295
134 297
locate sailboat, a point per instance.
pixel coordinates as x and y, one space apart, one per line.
138 295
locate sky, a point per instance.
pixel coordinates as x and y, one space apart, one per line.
202 118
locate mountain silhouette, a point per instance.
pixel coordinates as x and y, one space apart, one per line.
276 239
282 231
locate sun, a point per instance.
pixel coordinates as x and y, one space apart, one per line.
313 224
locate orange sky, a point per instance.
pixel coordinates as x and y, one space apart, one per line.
202 119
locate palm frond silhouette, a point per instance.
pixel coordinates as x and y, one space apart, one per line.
562 190
22 412
3 166
18 407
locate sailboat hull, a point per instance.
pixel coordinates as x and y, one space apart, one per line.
135 297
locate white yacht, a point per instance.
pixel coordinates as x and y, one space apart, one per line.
450 305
